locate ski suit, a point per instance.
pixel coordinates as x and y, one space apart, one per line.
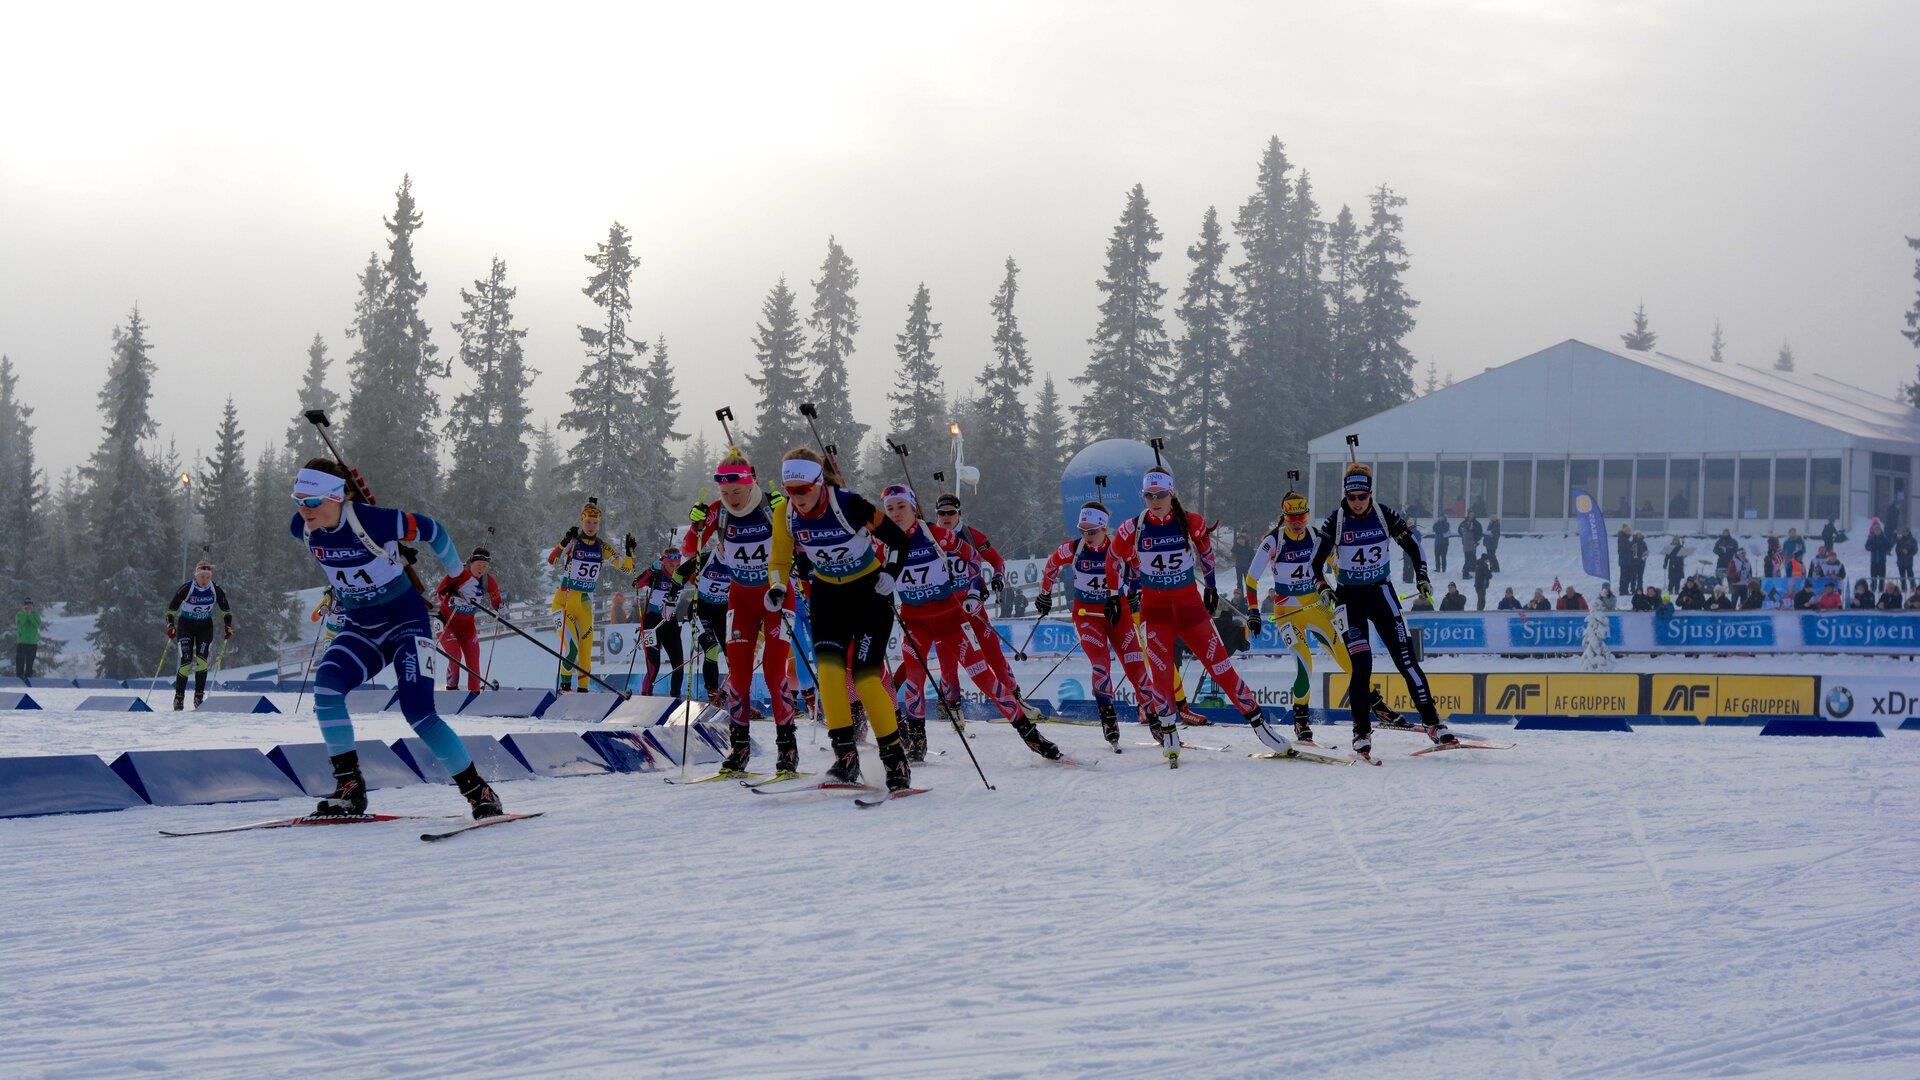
745 547
580 562
461 637
657 593
986 557
1100 639
934 603
1168 554
1366 597
1297 611
714 583
190 617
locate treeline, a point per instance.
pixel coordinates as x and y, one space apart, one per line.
1292 327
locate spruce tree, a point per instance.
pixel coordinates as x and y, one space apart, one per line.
834 321
1386 311
779 348
392 408
655 467
1784 360
1197 392
223 492
1345 319
302 438
22 495
693 478
1912 332
1640 337
555 499
1126 372
281 565
487 503
918 419
125 483
607 412
996 425
1433 379
1052 447
1717 351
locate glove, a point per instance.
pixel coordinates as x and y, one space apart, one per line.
169 631
698 514
971 606
1253 620
229 636
1043 603
573 533
1210 596
1116 608
1421 583
632 545
1133 603
776 597
439 626
1327 599
999 586
883 583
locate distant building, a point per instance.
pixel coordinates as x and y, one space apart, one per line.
1663 443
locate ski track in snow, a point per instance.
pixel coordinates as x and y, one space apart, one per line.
1672 902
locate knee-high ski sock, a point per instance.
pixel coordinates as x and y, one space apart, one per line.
834 701
873 694
336 727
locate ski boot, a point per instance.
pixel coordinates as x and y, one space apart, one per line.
740 748
1167 734
1387 718
1029 734
952 713
786 760
1257 720
479 793
717 697
846 757
1437 731
179 699
893 757
1363 746
914 737
1189 717
198 697
1110 725
349 797
1302 726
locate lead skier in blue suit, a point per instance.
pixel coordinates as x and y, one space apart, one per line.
358 545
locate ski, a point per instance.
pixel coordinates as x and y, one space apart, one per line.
865 804
823 785
1366 756
746 778
480 824
779 777
1066 762
1462 744
1301 755
1185 746
299 822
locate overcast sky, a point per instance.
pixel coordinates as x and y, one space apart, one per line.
227 168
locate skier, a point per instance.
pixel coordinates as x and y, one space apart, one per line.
1288 549
852 610
358 546
657 594
1169 548
713 584
190 623
1359 532
460 637
935 608
581 555
988 575
1100 635
741 521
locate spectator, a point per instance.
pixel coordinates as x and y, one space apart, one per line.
1771 557
1913 600
617 608
1441 530
1607 600
1723 550
1862 596
1675 561
1623 554
1827 566
1828 534
1739 575
1662 607
1830 599
1639 552
1482 577
1470 534
1539 601
1889 597
1793 546
1720 601
1753 601
1904 549
26 638
1509 602
1803 596
1491 541
1878 543
1643 601
1420 604
1571 600
1692 597
1454 600
1406 560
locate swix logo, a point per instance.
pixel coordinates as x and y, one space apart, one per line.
1518 697
1685 697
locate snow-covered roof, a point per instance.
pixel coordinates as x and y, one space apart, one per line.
1583 398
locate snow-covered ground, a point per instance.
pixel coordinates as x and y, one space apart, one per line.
1671 902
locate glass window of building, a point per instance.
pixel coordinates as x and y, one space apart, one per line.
1650 488
1516 488
1616 488
1549 487
1483 487
1326 482
1419 498
1825 496
1790 488
1582 473
1453 488
1387 477
1716 498
1683 487
1755 488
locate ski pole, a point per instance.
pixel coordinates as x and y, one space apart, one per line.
307 672
686 729
164 650
548 649
1021 652
1043 679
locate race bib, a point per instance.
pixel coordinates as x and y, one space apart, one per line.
426 658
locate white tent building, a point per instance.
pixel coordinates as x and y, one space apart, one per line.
1668 444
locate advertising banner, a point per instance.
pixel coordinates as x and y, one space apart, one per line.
1885 699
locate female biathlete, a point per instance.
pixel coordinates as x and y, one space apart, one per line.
458 595
190 625
1100 635
714 584
934 610
581 555
987 576
657 592
1165 544
1358 534
742 523
1288 549
358 546
852 605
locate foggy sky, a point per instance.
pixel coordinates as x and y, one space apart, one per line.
227 168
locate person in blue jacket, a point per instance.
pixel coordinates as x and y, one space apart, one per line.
359 546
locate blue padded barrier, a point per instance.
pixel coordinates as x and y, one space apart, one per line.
99 684
61 784
1911 723
1749 721
510 703
581 708
664 741
17 699
1501 719
237 703
496 765
308 765
14 681
106 703
1857 729
1571 723
556 753
625 751
367 699
59 684
194 777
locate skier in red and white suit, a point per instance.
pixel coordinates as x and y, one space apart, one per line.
1100 637
457 593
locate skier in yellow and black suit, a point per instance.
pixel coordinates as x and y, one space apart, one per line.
581 555
1288 548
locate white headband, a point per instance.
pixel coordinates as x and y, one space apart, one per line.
312 482
1092 517
800 471
1157 480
